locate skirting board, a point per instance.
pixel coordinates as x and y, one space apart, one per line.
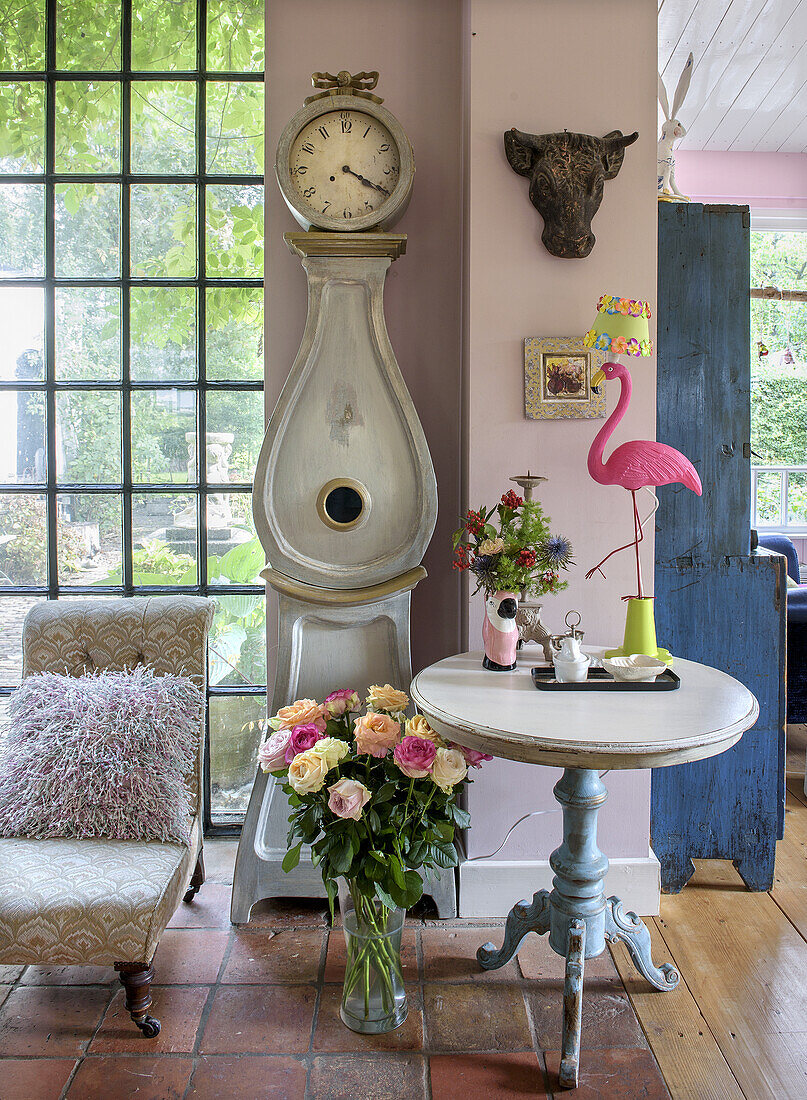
490 887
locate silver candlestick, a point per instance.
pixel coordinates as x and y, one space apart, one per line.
528 616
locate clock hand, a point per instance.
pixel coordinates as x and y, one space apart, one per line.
367 183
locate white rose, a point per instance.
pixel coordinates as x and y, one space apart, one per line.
449 768
331 749
307 772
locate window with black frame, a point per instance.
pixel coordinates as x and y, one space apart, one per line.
131 313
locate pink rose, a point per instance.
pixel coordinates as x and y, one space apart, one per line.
341 702
473 757
302 738
375 733
272 753
415 756
348 798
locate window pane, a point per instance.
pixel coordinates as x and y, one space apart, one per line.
163 435
797 499
88 229
22 127
163 127
235 333
163 35
235 30
88 437
163 230
234 128
237 645
22 436
779 259
87 35
87 126
23 539
22 229
234 231
163 333
22 323
22 36
13 610
164 529
769 495
235 555
240 413
88 333
233 752
89 542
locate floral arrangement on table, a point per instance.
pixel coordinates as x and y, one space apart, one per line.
509 548
375 797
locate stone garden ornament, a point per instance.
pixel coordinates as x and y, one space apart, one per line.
671 131
567 173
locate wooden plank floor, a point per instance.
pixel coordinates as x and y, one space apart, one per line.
737 1025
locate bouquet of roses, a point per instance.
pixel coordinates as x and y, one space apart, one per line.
375 796
520 554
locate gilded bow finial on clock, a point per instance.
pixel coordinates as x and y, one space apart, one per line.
362 82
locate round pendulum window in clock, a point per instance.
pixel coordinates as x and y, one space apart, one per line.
345 524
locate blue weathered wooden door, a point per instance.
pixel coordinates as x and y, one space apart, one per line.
715 601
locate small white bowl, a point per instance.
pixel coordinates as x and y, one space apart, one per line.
571 672
637 668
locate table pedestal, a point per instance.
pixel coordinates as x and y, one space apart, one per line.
576 913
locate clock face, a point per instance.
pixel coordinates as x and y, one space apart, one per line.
344 164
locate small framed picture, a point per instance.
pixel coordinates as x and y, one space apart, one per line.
557 379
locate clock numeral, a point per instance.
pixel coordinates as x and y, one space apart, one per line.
367 131
347 213
390 170
324 131
368 205
347 125
327 204
309 191
384 148
307 148
300 170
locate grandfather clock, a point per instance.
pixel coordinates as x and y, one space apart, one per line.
345 497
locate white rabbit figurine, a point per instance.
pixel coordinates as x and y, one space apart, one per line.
670 132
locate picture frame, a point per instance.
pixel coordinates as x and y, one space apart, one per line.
557 379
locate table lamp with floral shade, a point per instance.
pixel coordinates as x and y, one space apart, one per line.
621 327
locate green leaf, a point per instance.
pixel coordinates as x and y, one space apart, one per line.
386 898
461 817
341 856
292 858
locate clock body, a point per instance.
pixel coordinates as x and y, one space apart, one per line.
344 163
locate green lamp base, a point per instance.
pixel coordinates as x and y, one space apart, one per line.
640 632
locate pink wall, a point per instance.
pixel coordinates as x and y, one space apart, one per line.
762 180
525 59
417 48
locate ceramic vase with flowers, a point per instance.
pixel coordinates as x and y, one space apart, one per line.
509 549
374 796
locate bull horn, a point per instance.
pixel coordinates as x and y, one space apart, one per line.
617 140
536 142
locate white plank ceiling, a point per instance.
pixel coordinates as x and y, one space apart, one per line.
749 80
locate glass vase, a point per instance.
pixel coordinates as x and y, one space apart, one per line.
373 995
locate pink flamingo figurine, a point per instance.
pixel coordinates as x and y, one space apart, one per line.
634 465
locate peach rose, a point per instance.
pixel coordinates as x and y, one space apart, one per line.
348 798
307 772
301 713
387 698
449 768
417 726
375 733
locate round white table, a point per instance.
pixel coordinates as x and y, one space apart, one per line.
504 714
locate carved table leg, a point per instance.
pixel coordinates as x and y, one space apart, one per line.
572 1005
524 917
632 931
197 879
136 980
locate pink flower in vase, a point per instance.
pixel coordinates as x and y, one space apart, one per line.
303 738
348 798
415 756
272 753
473 757
341 702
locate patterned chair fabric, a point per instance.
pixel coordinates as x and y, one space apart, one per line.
102 901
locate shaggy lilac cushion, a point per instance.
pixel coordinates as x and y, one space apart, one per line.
102 755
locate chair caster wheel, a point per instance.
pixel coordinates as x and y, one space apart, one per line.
190 894
149 1026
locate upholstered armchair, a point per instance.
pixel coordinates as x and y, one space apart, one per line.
102 901
796 628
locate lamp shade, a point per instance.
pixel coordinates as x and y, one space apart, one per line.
621 327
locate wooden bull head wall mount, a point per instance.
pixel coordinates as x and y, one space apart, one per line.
567 173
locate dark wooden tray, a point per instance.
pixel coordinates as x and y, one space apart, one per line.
599 680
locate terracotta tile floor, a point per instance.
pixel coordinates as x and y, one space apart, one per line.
251 1013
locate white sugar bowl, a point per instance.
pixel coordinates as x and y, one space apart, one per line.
571 666
637 668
